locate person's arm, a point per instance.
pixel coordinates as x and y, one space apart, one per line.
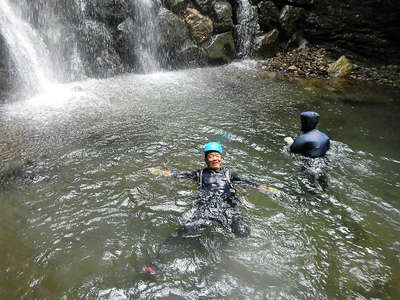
297 146
185 175
261 187
159 172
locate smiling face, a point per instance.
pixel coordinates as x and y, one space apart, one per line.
214 160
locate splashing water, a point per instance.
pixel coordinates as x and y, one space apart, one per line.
28 51
146 37
247 29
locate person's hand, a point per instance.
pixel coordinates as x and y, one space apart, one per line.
288 140
159 172
270 189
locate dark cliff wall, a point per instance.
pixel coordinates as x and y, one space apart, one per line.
369 28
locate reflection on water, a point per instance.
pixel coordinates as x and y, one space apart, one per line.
80 216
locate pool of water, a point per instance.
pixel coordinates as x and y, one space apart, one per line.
80 215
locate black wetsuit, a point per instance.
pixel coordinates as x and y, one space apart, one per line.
313 143
217 201
216 205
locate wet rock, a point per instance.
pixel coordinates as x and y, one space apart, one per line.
301 2
221 49
5 75
288 18
173 30
340 68
112 12
205 6
268 15
200 26
268 44
191 55
124 42
222 16
311 62
271 37
176 6
99 57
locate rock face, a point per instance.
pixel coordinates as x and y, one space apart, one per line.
369 28
100 56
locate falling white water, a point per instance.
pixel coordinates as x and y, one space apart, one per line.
27 50
146 37
247 28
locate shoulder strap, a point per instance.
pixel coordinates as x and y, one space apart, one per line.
200 177
227 173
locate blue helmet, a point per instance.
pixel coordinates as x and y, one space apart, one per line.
213 146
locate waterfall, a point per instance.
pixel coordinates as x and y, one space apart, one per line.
247 28
146 34
27 50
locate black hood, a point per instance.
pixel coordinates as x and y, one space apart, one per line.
309 120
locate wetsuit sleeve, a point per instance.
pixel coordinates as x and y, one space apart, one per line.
235 179
185 175
298 145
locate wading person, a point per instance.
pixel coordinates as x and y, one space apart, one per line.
217 200
312 143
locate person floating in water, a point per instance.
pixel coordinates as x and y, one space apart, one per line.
217 200
312 143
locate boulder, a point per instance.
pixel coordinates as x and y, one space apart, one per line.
340 68
268 15
173 30
200 26
288 18
222 16
176 6
268 44
221 48
205 6
270 38
191 55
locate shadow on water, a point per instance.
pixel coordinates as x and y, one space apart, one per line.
80 216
